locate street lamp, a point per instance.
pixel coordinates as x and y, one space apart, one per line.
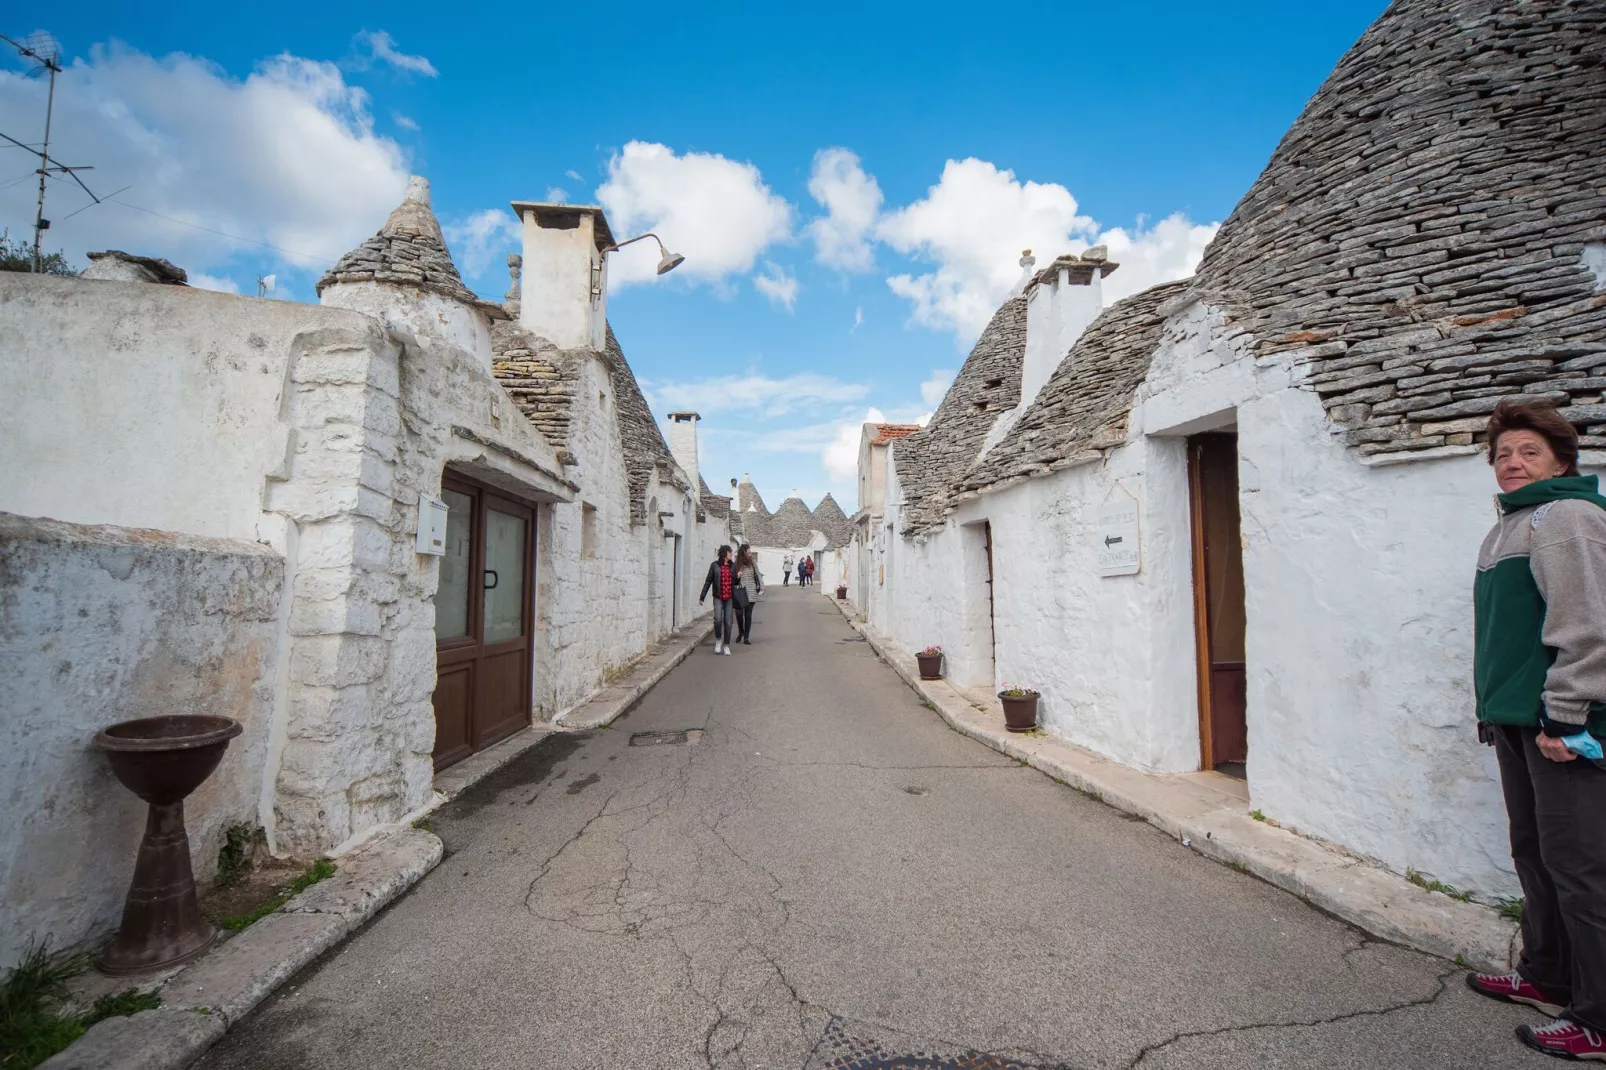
667 263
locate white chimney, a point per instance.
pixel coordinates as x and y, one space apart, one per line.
1061 300
683 440
563 288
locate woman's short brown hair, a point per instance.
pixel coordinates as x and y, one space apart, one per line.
1540 417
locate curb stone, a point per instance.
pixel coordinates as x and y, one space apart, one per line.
215 992
1215 825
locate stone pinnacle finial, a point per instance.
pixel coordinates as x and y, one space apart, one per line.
1027 260
417 190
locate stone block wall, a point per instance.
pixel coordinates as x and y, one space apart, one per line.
102 624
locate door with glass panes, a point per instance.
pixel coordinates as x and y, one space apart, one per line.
483 610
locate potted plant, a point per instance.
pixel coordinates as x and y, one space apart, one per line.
841 592
1020 707
930 660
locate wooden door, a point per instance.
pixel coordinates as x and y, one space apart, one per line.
1218 598
483 616
992 620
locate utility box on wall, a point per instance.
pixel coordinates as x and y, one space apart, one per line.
431 525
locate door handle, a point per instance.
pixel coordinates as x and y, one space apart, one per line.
494 578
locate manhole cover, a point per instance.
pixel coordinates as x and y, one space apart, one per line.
662 739
855 639
859 1046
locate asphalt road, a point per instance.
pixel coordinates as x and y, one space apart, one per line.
828 877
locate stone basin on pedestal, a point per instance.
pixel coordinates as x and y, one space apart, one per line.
163 760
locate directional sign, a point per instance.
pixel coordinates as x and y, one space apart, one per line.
1116 536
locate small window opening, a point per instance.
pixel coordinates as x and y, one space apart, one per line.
989 384
588 530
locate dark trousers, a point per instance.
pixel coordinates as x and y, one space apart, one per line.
1558 842
724 614
786 578
744 620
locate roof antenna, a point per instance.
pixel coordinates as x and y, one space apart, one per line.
44 51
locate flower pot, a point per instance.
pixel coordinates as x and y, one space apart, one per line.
162 760
1020 713
930 666
842 592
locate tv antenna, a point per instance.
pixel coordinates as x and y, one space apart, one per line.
46 55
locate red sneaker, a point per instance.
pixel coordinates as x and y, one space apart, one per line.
1511 988
1565 1040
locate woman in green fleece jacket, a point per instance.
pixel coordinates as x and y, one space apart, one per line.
1539 672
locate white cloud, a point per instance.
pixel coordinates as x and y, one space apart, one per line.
477 241
932 390
973 224
287 156
778 286
752 391
572 173
382 49
841 455
1171 249
852 201
716 212
557 195
406 122
858 319
202 281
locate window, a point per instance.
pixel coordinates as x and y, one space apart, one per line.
588 530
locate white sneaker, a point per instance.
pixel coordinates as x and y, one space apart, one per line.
719 647
727 649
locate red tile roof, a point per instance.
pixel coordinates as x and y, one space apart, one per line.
887 432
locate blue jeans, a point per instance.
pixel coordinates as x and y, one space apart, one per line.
724 614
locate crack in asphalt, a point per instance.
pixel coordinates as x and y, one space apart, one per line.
1375 1012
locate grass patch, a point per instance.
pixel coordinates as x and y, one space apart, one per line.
424 824
33 1024
1511 909
319 870
1239 866
1429 885
1257 815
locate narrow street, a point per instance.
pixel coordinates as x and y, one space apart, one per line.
822 875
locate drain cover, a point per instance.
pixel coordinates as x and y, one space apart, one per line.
666 739
859 1046
855 639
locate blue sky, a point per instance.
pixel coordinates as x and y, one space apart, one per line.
851 189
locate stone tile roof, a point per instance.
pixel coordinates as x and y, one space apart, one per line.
542 381
829 518
539 378
409 250
885 433
155 268
793 524
716 505
987 386
1416 242
747 497
754 527
644 445
1085 404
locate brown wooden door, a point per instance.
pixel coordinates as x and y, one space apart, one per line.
992 619
1218 596
483 613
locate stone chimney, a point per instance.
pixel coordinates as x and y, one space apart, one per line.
564 281
1061 300
683 441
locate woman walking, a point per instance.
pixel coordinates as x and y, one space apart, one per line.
786 572
1539 673
749 585
722 581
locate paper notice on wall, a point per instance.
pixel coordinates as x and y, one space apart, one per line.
1115 535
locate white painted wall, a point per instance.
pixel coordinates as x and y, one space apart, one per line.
555 298
1057 312
107 624
435 321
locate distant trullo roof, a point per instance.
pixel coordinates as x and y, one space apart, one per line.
829 518
793 524
408 250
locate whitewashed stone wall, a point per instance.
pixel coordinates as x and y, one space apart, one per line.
106 624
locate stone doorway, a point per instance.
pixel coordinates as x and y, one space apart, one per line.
484 610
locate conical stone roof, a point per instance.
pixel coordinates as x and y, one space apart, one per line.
793 524
408 250
829 518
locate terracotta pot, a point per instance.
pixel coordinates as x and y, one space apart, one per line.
162 760
1020 714
930 666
